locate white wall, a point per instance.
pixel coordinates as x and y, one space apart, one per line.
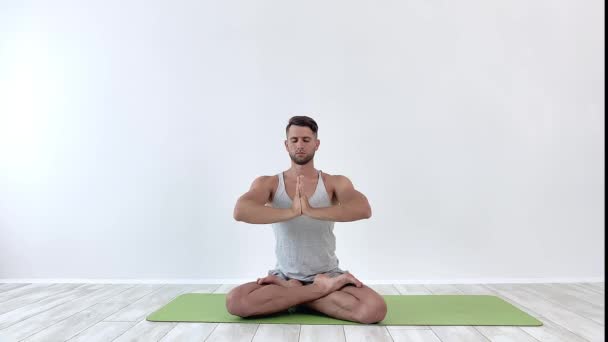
128 129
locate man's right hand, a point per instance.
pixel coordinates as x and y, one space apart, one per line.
296 206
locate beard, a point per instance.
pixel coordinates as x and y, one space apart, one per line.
302 160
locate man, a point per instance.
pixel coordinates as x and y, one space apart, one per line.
302 205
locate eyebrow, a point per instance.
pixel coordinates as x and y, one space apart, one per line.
301 137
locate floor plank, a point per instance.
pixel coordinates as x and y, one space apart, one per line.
225 288
36 323
582 292
277 333
33 291
569 300
443 289
133 294
364 333
458 334
596 286
18 291
233 332
384 289
145 331
14 316
577 324
103 332
549 331
35 296
414 335
189 332
329 333
138 310
75 324
102 312
11 286
409 289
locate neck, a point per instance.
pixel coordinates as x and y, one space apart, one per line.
307 170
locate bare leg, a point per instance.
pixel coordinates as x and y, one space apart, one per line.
338 304
252 299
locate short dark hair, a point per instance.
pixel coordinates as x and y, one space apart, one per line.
302 121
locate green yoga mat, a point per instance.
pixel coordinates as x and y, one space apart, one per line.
402 310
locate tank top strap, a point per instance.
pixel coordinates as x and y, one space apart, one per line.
281 187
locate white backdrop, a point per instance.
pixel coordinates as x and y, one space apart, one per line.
128 129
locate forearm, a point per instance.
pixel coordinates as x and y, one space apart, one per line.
340 213
251 212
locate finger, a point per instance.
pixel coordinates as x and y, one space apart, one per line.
356 281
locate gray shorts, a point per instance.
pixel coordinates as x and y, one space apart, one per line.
309 279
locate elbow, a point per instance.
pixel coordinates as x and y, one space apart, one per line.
237 214
368 213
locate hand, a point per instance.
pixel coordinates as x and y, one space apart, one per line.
347 278
329 285
296 206
306 208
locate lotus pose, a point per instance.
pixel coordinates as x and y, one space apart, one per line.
302 204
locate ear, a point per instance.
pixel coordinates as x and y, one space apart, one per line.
286 147
318 143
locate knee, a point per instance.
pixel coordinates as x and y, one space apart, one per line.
234 304
373 313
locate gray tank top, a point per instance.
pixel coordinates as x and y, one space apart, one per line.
304 246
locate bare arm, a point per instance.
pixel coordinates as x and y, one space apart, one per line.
352 206
251 207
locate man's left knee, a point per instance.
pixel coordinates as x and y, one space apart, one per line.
372 313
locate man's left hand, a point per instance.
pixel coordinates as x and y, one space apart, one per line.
306 208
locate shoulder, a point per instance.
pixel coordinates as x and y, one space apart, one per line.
335 179
336 182
268 182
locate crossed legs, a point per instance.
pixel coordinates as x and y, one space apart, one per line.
350 303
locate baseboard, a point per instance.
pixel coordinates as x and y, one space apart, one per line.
245 280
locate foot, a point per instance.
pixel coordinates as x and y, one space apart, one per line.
294 283
330 285
273 279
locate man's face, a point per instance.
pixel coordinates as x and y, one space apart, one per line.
301 144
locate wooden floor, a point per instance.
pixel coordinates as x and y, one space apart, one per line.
104 312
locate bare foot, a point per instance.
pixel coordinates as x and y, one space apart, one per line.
294 283
324 282
273 279
334 284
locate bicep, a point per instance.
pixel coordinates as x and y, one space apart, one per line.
346 192
259 192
